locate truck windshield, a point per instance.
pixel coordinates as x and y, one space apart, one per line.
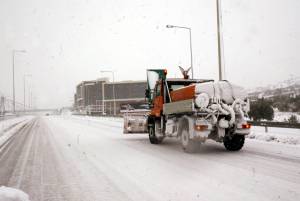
152 77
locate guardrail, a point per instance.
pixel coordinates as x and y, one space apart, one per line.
275 124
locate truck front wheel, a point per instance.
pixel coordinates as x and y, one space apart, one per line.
152 136
188 145
234 143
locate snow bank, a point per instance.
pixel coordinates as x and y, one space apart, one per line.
6 124
12 194
274 138
10 126
278 135
109 121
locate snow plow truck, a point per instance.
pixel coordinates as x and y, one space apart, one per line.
193 110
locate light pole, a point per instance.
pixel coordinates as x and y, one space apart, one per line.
191 49
26 75
114 95
30 100
13 60
219 39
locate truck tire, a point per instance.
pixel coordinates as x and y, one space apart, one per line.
152 136
188 145
234 143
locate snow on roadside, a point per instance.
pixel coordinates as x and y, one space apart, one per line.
108 121
12 194
5 124
278 135
10 126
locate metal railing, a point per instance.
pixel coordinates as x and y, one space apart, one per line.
94 109
275 124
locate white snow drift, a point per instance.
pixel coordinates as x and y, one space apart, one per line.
278 135
12 194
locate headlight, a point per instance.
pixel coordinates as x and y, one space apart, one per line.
202 100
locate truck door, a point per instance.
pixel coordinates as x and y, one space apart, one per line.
135 121
158 100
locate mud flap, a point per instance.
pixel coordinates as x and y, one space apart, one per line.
135 122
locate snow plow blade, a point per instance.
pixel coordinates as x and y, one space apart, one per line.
135 121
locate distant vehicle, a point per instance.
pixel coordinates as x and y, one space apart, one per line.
193 110
47 114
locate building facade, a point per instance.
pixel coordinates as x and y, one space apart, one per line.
101 97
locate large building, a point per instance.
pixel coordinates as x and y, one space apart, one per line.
98 97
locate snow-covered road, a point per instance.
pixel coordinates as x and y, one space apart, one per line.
89 159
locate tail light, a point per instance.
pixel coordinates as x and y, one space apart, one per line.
201 127
246 126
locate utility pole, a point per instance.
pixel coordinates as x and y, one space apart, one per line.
191 53
219 40
30 100
13 72
26 75
103 94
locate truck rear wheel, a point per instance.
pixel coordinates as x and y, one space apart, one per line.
188 145
152 136
234 143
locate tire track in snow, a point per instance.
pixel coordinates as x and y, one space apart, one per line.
10 154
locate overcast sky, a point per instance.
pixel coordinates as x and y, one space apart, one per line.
68 41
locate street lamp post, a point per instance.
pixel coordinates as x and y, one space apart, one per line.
13 70
219 40
114 95
30 100
26 75
191 50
